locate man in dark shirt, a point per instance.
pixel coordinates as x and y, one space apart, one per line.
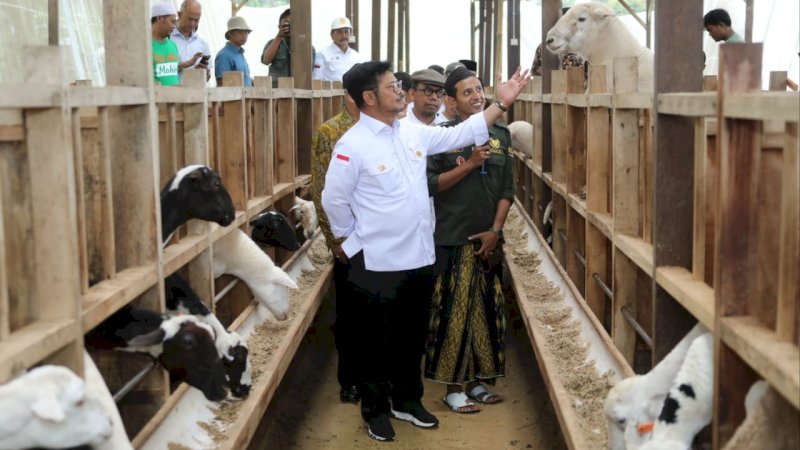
472 188
277 53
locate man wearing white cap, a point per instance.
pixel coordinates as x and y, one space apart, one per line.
231 57
166 59
336 59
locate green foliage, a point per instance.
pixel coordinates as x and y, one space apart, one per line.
266 3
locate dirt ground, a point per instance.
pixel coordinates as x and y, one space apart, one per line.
305 412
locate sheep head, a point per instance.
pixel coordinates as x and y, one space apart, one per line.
272 228
629 407
195 192
50 407
578 28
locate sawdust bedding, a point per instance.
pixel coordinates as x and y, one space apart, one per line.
264 341
586 386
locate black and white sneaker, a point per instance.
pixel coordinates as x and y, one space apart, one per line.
380 429
417 415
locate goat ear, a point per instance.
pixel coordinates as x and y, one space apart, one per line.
48 408
280 277
151 338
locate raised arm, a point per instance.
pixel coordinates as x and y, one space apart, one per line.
505 94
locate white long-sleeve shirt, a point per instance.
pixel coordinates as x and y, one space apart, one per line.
376 189
331 62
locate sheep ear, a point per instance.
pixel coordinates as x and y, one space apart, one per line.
151 338
280 277
48 408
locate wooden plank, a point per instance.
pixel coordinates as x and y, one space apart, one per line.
576 138
26 95
106 297
734 277
285 142
32 343
52 181
688 104
761 348
4 310
693 294
767 237
87 96
699 200
229 94
576 242
627 215
559 216
763 106
626 294
233 157
639 251
597 148
182 94
788 317
597 257
80 199
262 134
559 129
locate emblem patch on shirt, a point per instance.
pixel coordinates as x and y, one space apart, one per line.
460 160
494 143
342 159
418 153
381 167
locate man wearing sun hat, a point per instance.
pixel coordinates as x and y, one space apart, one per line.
166 58
231 57
336 59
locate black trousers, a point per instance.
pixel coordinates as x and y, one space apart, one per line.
391 334
347 322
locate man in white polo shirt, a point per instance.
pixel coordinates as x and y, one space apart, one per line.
336 59
376 199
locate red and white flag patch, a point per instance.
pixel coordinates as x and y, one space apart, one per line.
342 159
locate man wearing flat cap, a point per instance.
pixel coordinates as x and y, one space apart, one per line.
427 91
336 59
231 57
166 58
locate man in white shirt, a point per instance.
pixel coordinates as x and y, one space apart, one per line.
376 197
427 92
194 50
336 59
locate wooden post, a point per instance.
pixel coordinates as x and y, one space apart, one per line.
391 35
788 292
678 68
351 11
233 158
285 142
263 138
376 25
734 277
513 48
551 12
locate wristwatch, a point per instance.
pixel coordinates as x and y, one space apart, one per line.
495 231
500 105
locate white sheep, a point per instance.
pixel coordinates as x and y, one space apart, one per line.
771 422
634 403
306 213
688 406
522 137
96 386
593 31
50 407
236 254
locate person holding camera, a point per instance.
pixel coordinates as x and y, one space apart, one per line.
194 50
277 53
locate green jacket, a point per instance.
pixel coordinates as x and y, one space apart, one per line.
469 207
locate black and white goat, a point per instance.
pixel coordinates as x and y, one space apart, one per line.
195 192
688 406
272 228
50 406
184 345
231 348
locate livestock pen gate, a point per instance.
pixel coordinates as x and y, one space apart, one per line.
81 168
697 221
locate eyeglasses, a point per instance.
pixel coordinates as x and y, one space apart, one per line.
397 87
429 91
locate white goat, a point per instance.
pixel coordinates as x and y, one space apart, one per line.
96 386
688 406
238 255
522 137
306 213
635 402
593 32
49 407
771 422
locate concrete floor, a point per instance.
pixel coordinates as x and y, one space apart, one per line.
305 412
